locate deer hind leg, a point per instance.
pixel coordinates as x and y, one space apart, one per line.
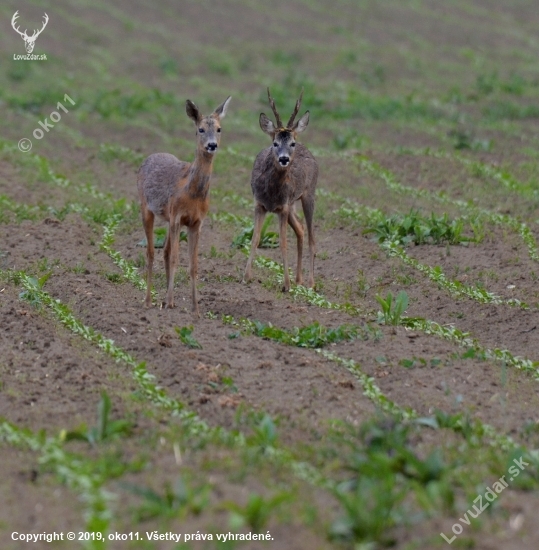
260 214
171 254
193 235
295 224
283 219
308 210
147 221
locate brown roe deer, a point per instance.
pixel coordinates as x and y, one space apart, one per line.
282 174
179 192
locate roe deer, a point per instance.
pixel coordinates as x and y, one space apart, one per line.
179 192
282 174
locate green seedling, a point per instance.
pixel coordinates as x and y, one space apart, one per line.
385 472
257 511
160 236
309 336
34 285
177 500
392 308
185 334
265 434
109 152
268 239
105 429
417 229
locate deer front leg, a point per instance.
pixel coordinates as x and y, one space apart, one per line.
295 224
308 210
171 254
147 221
260 214
194 233
283 220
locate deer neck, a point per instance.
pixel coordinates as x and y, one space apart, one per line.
198 184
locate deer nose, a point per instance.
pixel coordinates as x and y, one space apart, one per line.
211 146
284 160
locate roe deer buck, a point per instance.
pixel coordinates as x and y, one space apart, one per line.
179 192
282 174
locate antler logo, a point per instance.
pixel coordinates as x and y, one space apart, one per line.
29 41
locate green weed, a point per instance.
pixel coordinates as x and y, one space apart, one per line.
176 501
185 334
160 237
109 152
268 239
115 103
309 336
392 308
256 513
105 429
417 229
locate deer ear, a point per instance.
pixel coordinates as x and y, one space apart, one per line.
266 124
192 111
301 124
221 110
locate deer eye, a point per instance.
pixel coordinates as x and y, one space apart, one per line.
292 145
219 130
201 130
275 144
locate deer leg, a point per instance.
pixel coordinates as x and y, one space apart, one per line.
260 214
295 224
171 253
194 233
308 210
283 219
147 221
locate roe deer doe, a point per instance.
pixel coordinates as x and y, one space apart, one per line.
179 192
282 174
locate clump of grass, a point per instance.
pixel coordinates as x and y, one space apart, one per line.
109 103
268 239
508 110
257 512
160 236
392 308
109 152
464 139
105 429
417 229
309 336
356 103
383 470
175 500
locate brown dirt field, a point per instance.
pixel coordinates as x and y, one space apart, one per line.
53 209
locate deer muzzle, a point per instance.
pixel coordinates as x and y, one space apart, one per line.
284 160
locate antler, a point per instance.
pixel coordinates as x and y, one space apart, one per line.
46 20
274 109
13 20
296 109
23 34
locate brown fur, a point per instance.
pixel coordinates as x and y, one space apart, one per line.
179 192
277 186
